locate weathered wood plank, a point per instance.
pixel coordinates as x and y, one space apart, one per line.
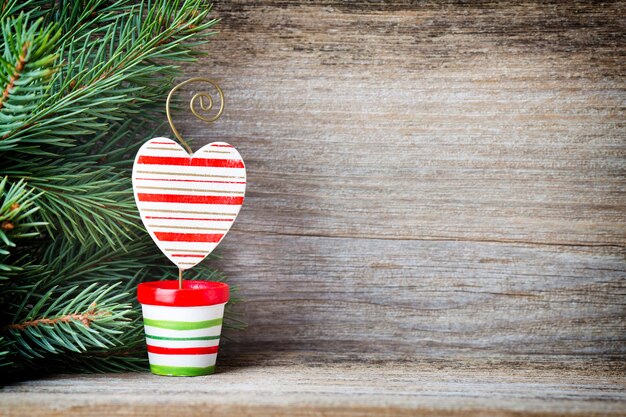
488 123
401 299
430 388
426 178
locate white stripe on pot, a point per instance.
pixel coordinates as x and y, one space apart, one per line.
199 361
209 331
190 314
182 343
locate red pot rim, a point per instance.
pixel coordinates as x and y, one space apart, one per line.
193 293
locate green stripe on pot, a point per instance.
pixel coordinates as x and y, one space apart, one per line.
182 325
181 370
149 336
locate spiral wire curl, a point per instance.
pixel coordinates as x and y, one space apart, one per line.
205 102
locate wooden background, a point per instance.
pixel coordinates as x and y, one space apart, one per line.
435 222
426 179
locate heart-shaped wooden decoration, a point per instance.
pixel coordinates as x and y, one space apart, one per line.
188 203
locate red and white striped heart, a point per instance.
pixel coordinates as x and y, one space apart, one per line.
188 203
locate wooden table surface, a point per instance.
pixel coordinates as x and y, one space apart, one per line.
435 221
297 385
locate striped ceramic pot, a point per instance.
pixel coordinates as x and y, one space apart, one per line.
182 326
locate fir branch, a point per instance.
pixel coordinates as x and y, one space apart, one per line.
85 318
82 84
74 320
19 67
13 7
79 199
17 210
123 50
30 47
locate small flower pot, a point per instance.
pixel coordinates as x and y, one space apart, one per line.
182 326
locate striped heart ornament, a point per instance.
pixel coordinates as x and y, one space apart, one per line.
188 202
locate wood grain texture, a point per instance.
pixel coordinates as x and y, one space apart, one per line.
435 222
426 178
289 386
403 299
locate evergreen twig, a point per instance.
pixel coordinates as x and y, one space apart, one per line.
81 85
